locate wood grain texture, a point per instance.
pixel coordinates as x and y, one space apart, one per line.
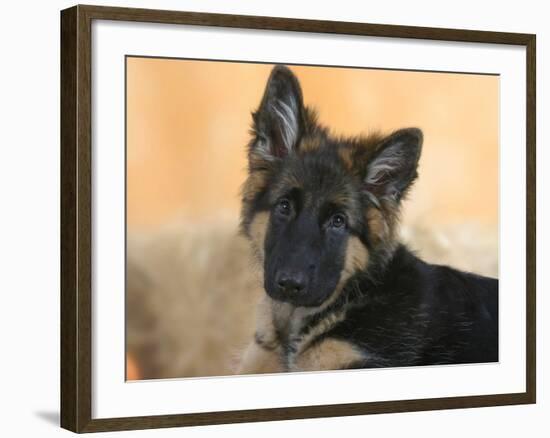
338 410
69 328
300 25
76 224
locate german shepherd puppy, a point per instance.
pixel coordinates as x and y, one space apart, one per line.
321 213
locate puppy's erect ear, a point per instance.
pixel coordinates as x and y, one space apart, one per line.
279 121
393 167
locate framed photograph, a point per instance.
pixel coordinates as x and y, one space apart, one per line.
267 218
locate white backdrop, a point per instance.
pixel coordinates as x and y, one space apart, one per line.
29 235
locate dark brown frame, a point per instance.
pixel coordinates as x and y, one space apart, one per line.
76 236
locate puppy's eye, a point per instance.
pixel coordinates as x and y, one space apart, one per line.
284 206
338 220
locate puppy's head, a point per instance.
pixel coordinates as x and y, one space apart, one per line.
320 209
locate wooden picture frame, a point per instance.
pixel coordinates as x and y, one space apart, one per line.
76 217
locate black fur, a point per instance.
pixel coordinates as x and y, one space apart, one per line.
415 313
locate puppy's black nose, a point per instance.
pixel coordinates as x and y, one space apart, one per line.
291 282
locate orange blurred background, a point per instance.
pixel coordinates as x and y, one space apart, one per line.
188 122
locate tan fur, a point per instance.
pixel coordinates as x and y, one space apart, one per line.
329 354
258 230
309 144
357 256
378 226
258 360
254 184
302 344
256 161
343 200
265 323
263 354
283 313
346 154
289 180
